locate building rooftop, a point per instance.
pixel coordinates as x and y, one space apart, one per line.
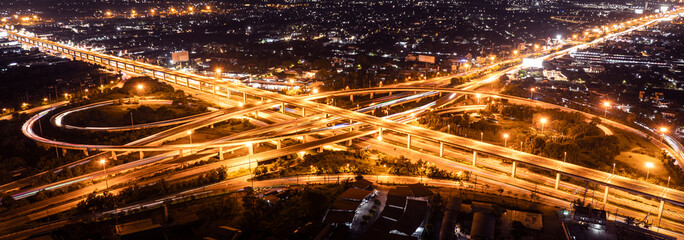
355 194
346 205
412 218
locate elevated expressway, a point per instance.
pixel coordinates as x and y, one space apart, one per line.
220 88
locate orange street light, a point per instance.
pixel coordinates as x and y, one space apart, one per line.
532 93
189 132
543 121
662 131
103 162
649 165
505 136
606 105
477 95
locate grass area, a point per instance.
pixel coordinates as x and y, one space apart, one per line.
120 115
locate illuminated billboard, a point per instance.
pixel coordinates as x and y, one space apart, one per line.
532 63
426 58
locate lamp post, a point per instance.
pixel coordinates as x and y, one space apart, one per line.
140 91
606 105
478 98
543 121
532 93
481 136
613 171
104 166
218 73
505 136
649 165
190 136
662 130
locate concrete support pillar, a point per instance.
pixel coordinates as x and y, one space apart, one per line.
64 151
350 127
351 98
220 153
250 147
213 89
303 112
349 143
660 211
605 195
180 153
513 170
244 97
85 152
142 155
320 149
304 138
282 108
114 155
228 92
256 114
441 149
371 97
408 141
474 158
558 181
380 133
279 144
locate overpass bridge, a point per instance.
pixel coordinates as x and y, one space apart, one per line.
213 86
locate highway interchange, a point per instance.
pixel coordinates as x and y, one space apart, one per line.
244 149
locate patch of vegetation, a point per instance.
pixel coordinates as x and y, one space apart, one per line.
106 200
335 162
119 115
283 221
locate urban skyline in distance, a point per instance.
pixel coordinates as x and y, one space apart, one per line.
306 119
